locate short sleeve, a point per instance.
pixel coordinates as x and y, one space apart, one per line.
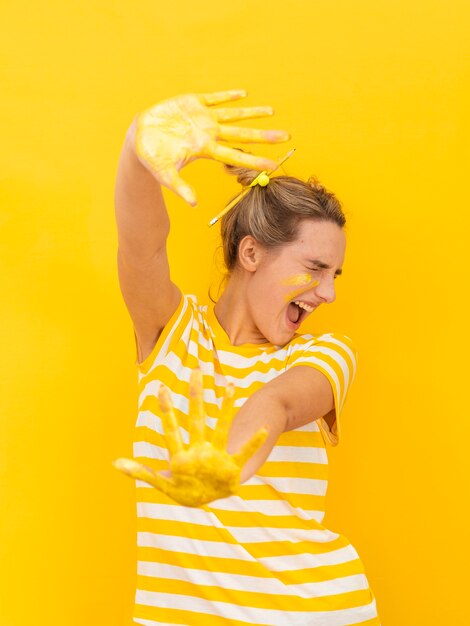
177 328
335 356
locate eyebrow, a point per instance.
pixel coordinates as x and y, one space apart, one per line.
324 266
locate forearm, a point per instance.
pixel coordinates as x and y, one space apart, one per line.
206 471
141 216
264 409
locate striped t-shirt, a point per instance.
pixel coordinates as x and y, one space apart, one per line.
261 556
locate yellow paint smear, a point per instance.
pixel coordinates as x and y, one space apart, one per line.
298 279
293 295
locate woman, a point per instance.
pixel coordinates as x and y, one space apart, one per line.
212 550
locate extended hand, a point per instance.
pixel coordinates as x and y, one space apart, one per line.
204 471
178 130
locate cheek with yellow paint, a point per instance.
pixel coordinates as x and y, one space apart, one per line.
300 280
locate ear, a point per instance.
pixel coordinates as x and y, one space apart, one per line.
250 253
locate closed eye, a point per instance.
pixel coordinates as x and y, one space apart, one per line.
316 269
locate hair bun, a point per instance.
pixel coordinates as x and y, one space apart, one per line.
245 175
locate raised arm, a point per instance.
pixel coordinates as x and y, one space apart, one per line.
161 141
143 226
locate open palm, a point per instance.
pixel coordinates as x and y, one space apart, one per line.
204 471
174 132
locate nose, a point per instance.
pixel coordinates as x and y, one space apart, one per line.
326 290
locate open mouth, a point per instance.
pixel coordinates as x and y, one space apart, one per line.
295 315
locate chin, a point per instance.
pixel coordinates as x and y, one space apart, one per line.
281 339
277 336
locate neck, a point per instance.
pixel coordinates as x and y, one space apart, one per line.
233 313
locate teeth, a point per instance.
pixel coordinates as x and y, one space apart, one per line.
302 305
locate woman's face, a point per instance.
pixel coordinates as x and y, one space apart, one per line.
302 271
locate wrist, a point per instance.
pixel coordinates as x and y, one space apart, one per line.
129 140
264 409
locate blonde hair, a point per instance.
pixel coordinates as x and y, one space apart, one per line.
272 214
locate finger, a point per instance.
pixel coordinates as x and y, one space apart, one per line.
220 436
216 97
135 470
250 447
197 418
241 113
170 425
141 472
240 134
236 157
169 176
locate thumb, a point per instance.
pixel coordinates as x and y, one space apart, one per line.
170 178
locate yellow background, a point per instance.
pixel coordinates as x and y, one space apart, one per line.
375 95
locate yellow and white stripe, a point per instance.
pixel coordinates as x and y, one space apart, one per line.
260 557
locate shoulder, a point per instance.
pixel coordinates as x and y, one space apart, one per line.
333 353
332 340
178 330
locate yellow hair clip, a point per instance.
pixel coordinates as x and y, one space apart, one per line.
262 179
